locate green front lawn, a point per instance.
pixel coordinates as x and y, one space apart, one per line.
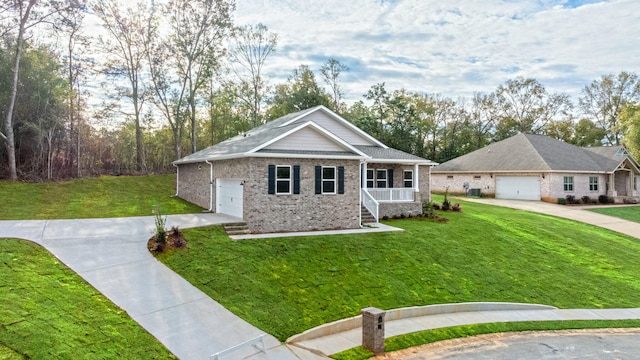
49 312
287 285
106 196
631 213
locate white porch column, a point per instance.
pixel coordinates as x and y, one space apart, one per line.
416 178
364 175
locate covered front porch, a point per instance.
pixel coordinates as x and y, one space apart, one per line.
393 189
623 183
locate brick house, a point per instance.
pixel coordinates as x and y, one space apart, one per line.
310 170
537 167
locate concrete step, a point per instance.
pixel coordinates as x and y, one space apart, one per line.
237 228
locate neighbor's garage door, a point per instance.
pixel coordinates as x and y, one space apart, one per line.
518 187
229 196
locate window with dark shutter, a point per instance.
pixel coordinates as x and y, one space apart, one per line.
296 179
318 179
390 178
272 179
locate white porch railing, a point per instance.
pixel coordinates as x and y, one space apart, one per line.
370 203
392 194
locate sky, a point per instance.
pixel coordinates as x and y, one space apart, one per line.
452 48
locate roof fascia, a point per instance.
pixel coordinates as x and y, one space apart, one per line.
401 161
317 128
340 119
515 172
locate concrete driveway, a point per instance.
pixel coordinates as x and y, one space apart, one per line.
111 254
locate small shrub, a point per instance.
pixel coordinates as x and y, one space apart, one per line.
456 207
562 201
161 232
446 204
385 217
428 209
571 199
586 200
402 216
396 217
577 201
436 206
603 199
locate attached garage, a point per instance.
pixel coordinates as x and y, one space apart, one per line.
229 197
518 187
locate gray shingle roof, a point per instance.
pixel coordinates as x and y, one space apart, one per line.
239 145
242 143
378 153
526 152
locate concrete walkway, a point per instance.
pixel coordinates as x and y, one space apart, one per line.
111 255
483 313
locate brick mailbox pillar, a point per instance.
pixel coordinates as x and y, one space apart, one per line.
373 330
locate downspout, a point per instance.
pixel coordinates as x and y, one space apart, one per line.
177 179
362 162
210 210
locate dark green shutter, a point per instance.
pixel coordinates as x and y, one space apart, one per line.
390 178
340 179
318 179
296 179
272 179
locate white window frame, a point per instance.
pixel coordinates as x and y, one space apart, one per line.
371 180
334 180
379 180
594 185
568 184
405 180
288 180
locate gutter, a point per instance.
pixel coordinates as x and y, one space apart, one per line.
177 179
210 210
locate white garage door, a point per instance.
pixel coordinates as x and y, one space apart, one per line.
518 187
229 196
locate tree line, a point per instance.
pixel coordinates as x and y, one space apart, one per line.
167 78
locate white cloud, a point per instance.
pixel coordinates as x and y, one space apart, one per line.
453 48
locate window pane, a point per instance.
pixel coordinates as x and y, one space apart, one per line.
369 183
329 187
381 184
369 174
408 175
381 174
282 186
283 172
328 173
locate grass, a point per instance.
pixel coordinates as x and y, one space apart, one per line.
50 312
287 285
631 213
429 336
106 196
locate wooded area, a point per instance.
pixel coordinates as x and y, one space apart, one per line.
165 79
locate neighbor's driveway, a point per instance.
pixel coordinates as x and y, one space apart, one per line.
111 254
576 213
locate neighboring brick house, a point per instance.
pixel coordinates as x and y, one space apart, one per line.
310 170
537 167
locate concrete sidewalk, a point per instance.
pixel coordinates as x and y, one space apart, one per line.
577 213
111 255
485 313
